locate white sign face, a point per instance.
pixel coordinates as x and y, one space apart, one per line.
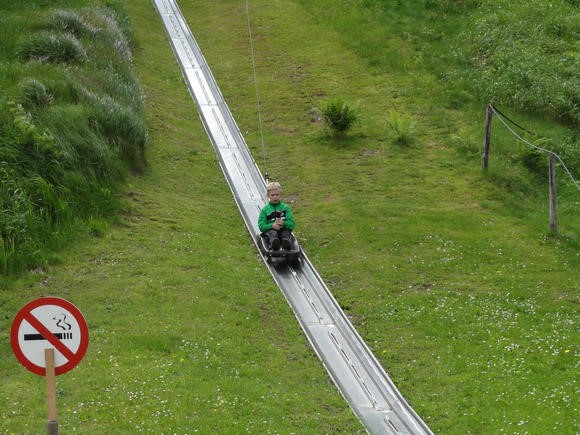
49 323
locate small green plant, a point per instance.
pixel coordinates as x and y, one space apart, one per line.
339 116
403 126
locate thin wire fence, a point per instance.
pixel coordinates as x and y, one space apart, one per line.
502 118
553 157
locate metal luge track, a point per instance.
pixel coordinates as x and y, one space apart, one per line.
352 366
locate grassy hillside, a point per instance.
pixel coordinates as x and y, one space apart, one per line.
450 274
71 125
188 331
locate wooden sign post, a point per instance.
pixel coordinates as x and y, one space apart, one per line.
51 422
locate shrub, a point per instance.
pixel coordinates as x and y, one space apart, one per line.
403 126
339 116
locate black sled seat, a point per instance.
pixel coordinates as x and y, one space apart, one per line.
280 256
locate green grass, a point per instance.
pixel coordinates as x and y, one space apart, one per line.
449 274
444 269
71 126
188 331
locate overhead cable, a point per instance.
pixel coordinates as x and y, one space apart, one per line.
257 93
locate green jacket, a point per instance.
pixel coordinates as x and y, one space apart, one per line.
268 216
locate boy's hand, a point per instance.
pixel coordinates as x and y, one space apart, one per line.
279 224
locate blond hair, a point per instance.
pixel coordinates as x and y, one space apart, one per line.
273 185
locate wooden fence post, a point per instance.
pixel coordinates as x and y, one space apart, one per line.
487 138
553 196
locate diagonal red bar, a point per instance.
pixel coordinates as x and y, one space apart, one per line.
43 330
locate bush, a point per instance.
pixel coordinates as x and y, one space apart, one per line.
339 116
403 126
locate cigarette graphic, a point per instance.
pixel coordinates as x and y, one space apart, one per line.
59 335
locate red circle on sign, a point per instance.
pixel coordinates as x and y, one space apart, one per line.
72 357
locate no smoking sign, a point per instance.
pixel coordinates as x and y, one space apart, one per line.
49 323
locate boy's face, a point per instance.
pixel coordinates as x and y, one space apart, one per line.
274 196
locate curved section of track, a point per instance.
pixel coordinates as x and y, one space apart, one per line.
352 366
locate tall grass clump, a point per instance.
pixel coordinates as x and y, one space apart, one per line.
54 48
30 171
35 94
403 127
339 116
71 126
124 130
71 22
